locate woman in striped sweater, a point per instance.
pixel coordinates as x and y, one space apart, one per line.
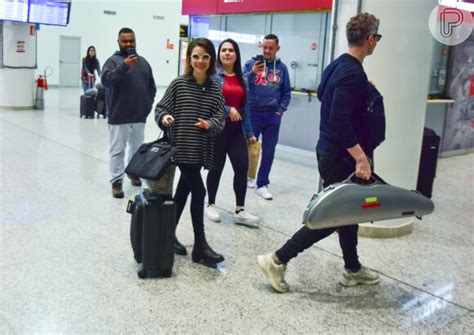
194 104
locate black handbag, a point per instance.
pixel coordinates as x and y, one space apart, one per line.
152 160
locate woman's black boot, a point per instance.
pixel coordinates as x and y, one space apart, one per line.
202 252
179 249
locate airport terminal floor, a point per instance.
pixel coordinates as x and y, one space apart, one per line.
66 264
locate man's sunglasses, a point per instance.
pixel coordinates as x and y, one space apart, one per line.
378 37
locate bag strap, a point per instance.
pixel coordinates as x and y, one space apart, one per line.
166 135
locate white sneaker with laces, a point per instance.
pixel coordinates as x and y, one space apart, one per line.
212 213
264 193
274 272
250 182
246 219
363 277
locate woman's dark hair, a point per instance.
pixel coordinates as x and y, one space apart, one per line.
210 49
88 57
91 62
237 65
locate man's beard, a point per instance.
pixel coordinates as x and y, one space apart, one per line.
125 50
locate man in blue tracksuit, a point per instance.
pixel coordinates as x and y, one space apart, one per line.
269 97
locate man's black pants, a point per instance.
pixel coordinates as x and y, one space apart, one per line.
332 169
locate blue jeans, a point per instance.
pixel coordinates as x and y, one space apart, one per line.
86 86
121 135
267 124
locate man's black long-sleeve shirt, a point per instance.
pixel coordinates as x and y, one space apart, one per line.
343 95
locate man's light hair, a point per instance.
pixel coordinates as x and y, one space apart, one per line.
360 27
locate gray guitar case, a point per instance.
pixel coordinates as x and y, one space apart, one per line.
350 202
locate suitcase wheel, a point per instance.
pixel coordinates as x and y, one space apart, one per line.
142 274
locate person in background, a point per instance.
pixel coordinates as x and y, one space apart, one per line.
130 91
194 105
90 64
233 139
269 97
343 93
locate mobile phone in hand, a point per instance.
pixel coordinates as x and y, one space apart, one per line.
132 51
259 58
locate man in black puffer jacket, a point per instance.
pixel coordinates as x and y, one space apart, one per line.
130 91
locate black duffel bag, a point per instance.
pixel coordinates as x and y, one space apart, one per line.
152 160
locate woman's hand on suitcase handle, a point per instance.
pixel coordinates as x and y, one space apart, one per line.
167 120
203 124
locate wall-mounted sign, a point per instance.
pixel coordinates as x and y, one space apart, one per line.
210 7
20 46
183 30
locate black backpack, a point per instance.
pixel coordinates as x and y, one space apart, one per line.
374 120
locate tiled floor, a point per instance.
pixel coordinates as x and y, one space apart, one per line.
66 263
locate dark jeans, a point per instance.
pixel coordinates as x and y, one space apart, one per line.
191 182
267 124
332 169
230 142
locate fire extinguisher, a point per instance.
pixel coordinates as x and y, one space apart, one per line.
41 86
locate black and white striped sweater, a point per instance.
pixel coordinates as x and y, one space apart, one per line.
187 101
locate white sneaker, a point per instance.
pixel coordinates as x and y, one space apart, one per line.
363 277
212 213
245 219
250 182
264 193
274 272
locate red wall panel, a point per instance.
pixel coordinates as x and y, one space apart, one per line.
199 7
209 7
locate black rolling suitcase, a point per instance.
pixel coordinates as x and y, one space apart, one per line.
428 162
100 99
88 106
152 233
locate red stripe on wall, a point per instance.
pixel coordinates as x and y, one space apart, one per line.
199 7
209 7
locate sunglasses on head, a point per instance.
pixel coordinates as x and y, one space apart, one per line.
205 58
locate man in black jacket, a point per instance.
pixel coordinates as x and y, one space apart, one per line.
343 94
130 91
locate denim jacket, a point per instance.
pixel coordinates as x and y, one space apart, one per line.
244 111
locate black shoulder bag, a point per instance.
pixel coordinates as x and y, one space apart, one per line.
152 159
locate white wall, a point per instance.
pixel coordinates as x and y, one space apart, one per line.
88 21
400 67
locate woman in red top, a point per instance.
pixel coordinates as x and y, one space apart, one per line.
233 139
